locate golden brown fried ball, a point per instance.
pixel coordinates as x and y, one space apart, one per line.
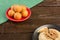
25 13
16 8
11 13
17 16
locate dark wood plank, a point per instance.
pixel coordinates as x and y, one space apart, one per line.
48 3
16 36
47 12
55 3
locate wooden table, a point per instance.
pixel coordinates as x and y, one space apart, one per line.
47 12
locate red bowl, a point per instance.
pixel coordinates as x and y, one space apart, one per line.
22 19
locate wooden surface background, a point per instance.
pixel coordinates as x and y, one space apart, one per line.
47 12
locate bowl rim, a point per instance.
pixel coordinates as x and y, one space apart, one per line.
28 9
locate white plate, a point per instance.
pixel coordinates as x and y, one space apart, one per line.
35 35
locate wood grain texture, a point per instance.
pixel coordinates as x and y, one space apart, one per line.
16 36
47 12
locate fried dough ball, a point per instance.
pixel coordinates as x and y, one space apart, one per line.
17 16
19 11
25 13
23 7
16 8
11 13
